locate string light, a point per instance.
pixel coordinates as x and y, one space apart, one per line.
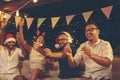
0 12
7 0
25 16
5 15
17 13
35 1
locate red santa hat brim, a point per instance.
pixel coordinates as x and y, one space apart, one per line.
8 40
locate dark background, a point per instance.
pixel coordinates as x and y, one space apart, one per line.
110 28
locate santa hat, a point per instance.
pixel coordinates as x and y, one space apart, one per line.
70 39
9 37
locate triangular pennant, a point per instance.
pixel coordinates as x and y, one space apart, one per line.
1 17
29 22
54 21
87 15
4 17
17 20
107 11
40 21
69 18
7 18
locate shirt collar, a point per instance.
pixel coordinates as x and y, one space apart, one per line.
96 42
11 50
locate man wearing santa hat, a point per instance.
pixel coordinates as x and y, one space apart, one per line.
9 58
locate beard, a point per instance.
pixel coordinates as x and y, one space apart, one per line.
10 46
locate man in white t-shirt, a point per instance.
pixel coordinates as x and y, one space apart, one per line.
96 54
9 58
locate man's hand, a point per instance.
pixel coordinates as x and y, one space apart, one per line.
67 48
47 52
87 50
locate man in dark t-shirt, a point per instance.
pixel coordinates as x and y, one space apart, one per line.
62 40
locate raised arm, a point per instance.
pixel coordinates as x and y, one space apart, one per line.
2 27
24 52
22 41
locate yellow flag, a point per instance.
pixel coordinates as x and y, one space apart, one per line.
87 15
54 21
17 20
40 21
29 22
69 18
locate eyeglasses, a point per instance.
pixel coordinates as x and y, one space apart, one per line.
91 29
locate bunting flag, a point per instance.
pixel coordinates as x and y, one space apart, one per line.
107 11
1 17
29 22
17 20
7 18
87 15
54 21
69 18
40 21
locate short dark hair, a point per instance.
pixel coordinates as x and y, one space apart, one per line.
92 23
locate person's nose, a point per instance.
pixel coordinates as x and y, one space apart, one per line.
60 42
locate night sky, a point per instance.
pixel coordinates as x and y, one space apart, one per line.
110 28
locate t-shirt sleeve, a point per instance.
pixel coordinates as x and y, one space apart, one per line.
107 50
78 56
1 47
20 52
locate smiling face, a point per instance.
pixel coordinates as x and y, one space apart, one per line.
10 45
62 40
39 42
92 32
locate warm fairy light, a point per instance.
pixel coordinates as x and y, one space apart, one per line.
35 1
5 16
7 0
17 13
0 12
25 16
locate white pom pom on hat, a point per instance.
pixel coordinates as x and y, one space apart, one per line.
9 37
70 39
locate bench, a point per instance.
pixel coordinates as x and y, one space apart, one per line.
115 69
24 69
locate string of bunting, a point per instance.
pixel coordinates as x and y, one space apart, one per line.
86 15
